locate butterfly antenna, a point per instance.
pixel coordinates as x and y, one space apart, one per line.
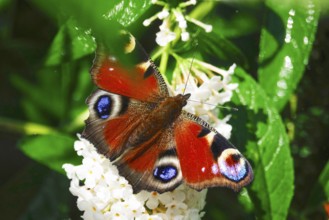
217 106
189 73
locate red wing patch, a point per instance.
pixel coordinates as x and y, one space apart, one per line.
143 157
133 83
194 153
109 137
139 80
116 132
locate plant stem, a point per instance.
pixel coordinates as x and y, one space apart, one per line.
77 122
156 53
202 10
164 60
24 127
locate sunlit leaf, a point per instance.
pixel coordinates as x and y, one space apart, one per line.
51 150
74 38
70 43
127 11
104 19
261 131
87 12
286 41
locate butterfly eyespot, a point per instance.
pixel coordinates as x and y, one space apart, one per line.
232 165
233 159
103 106
165 173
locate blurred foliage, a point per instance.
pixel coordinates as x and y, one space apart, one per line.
46 53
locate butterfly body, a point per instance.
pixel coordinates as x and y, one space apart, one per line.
159 119
155 144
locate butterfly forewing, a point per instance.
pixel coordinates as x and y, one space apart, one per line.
141 81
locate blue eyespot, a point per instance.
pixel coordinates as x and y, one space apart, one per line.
103 106
235 173
234 168
165 173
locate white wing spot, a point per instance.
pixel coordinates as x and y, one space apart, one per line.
214 169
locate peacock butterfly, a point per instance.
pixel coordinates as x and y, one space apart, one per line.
155 144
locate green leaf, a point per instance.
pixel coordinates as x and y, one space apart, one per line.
215 45
69 44
102 18
245 200
236 20
127 11
262 132
58 97
39 95
52 150
89 13
73 41
286 41
320 192
4 3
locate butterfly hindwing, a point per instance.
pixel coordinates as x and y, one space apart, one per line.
152 165
206 158
141 81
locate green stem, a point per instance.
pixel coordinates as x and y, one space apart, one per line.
177 57
198 13
157 52
164 60
202 10
78 122
24 127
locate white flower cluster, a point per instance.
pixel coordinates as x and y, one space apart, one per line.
172 18
104 194
209 87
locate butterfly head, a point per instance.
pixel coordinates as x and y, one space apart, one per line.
183 98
